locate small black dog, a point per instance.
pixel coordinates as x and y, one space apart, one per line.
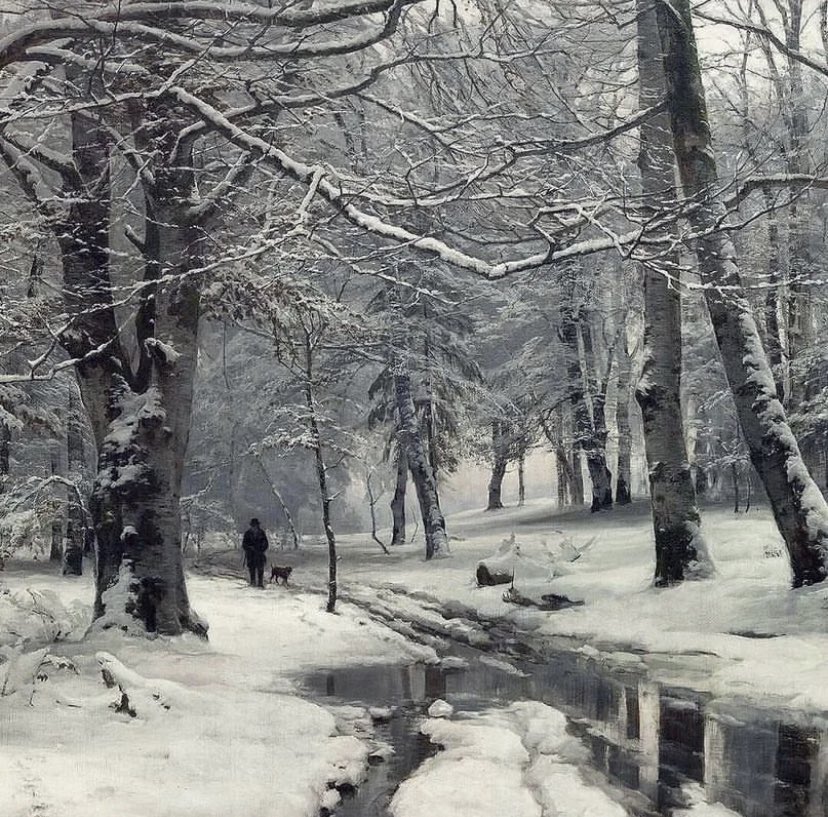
280 573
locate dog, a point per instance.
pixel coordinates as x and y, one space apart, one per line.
283 573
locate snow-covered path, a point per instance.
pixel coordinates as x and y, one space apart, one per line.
218 729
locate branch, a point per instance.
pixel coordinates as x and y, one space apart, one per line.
226 188
789 180
122 22
767 34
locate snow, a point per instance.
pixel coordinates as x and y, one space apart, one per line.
205 714
218 727
621 612
517 761
164 351
440 709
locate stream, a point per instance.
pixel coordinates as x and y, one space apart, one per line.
647 739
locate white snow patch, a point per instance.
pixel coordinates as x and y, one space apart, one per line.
515 761
441 709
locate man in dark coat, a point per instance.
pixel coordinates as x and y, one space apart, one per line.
255 545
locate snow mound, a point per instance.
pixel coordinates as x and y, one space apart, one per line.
516 761
441 709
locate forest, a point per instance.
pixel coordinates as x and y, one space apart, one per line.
502 319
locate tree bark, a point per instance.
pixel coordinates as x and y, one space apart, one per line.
577 471
773 336
136 500
56 544
5 452
321 475
799 509
680 550
586 438
562 469
597 388
552 426
521 480
75 516
398 500
500 459
409 439
800 312
623 495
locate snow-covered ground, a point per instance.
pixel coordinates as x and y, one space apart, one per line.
747 625
218 727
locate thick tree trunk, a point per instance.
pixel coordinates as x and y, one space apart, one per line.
136 507
87 289
597 387
409 439
799 508
500 459
398 500
623 495
680 550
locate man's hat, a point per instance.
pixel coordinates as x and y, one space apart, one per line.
254 521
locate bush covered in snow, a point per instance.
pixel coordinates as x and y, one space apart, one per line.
32 618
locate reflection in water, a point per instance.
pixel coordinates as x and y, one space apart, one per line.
646 737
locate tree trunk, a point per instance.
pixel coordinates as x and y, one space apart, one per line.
562 470
680 550
799 508
409 439
552 426
372 507
136 500
801 312
597 388
87 288
500 459
577 471
5 451
623 494
773 337
398 500
586 438
521 480
277 494
56 545
75 516
321 475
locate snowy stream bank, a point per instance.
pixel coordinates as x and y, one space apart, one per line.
575 738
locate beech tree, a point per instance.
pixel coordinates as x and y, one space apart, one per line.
679 546
799 508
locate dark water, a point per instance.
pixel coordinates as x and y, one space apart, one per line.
647 740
